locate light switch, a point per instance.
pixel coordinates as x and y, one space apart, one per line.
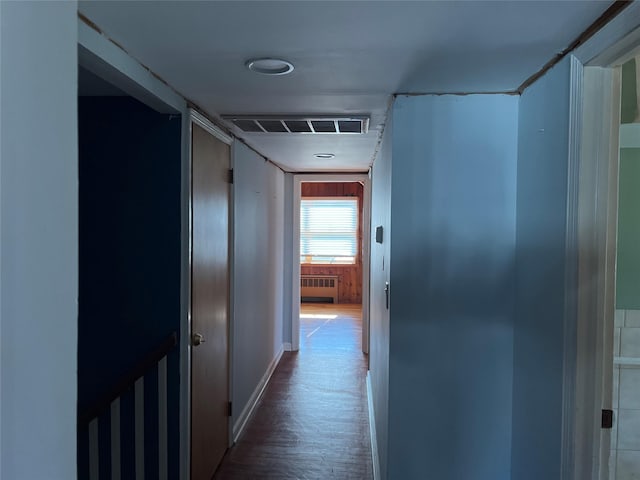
379 234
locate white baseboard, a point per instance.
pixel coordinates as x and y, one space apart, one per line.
372 431
287 347
248 410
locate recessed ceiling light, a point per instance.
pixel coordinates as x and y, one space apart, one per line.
324 155
270 66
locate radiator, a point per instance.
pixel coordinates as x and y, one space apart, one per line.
319 288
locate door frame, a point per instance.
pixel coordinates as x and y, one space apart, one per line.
365 247
597 236
586 445
193 117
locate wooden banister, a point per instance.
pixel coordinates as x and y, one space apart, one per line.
127 381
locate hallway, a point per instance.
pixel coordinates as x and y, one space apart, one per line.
312 422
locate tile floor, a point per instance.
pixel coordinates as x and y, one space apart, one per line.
624 463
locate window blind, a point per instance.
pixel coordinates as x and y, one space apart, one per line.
329 230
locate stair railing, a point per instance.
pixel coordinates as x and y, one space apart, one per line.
110 403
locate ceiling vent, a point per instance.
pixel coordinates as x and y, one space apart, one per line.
300 125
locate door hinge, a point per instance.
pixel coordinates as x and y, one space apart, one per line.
230 176
229 409
607 418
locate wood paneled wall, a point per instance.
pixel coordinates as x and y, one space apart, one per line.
349 276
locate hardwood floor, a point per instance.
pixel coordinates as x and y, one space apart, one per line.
312 422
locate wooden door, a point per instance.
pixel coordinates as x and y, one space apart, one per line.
209 303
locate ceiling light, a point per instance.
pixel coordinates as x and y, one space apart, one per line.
324 155
270 66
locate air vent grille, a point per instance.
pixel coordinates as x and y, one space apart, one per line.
273 126
248 126
300 125
324 126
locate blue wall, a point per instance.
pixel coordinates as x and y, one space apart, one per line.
129 292
543 142
379 315
38 239
452 287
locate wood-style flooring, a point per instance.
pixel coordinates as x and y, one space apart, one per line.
312 422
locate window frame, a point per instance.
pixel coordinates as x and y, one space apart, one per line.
357 256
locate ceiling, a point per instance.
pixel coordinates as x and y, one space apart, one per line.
349 57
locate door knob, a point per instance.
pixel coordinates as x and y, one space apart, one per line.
197 339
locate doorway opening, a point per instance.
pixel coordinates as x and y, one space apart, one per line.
624 457
129 303
331 254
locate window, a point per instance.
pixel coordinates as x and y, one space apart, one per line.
329 230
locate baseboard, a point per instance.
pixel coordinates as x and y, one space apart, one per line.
287 347
372 431
248 410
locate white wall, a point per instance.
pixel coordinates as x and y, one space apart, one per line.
39 228
379 315
453 191
258 204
